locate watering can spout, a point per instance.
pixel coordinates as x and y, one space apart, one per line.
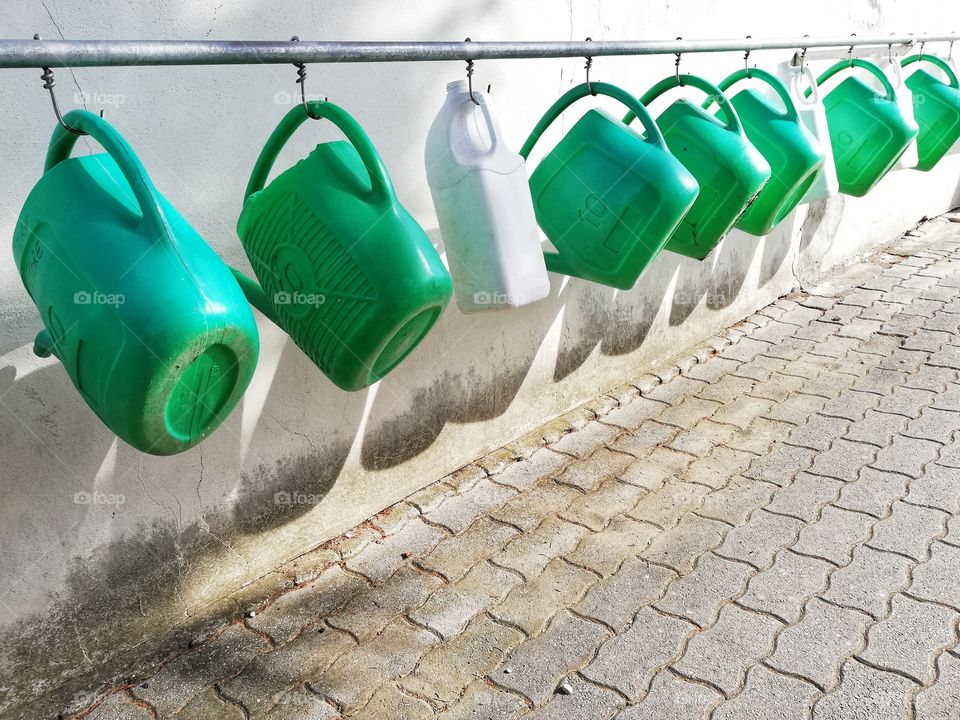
43 344
255 295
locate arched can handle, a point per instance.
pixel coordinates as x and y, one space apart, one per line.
654 136
767 77
147 197
939 62
865 65
380 182
672 81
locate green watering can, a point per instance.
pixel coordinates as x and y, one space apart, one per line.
149 324
606 197
344 268
936 106
868 132
793 153
728 168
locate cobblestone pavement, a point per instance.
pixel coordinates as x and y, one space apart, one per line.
766 528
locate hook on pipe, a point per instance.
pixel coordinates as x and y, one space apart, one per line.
49 81
301 78
587 66
470 77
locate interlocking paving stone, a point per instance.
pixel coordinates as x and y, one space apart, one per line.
667 505
596 509
531 605
373 609
179 681
698 595
207 705
449 609
119 707
582 443
834 535
604 552
727 390
865 694
815 647
632 414
869 581
844 460
941 701
874 492
652 472
588 474
819 432
742 411
734 503
527 510
851 405
585 700
538 664
938 579
482 701
909 530
270 675
908 639
931 378
454 556
758 541
629 660
702 438
309 603
933 424
906 401
766 695
938 488
681 545
379 560
781 464
877 428
805 496
389 703
530 553
950 456
300 704
524 473
356 675
447 669
778 388
759 437
459 511
722 654
907 456
783 588
671 698
688 413
645 439
716 469
617 598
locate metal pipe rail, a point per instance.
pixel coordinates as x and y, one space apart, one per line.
115 53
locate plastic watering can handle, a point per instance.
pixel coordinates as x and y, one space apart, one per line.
62 142
812 92
670 82
379 180
654 135
939 62
770 79
860 63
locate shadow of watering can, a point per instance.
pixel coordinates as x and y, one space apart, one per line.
727 167
792 152
936 108
149 324
868 133
607 197
343 267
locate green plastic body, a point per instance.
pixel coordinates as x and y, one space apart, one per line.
729 170
792 152
607 197
936 107
868 133
343 267
149 324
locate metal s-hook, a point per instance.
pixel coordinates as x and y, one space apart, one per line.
922 43
470 77
301 77
803 54
49 81
850 51
746 59
950 51
587 67
676 65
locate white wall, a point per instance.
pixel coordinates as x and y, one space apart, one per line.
93 580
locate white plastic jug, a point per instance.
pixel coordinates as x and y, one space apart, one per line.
482 197
814 117
891 67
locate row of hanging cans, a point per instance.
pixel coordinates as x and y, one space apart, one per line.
157 334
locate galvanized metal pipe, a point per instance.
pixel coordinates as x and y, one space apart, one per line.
111 53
